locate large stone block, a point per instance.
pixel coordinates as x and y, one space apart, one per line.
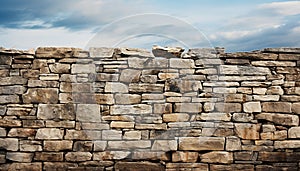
61 145
217 157
247 131
201 143
83 68
284 107
17 89
243 70
83 135
104 98
115 87
296 108
228 107
21 132
182 63
88 113
49 133
41 95
78 156
102 52
127 98
12 81
164 145
280 119
188 107
131 109
146 88
130 75
185 156
251 107
54 52
56 111
294 132
5 59
9 144
287 144
125 145
4 99
49 156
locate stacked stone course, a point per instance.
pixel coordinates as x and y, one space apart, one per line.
125 109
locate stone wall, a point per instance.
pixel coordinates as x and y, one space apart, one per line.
124 109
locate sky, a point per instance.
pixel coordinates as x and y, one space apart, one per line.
237 25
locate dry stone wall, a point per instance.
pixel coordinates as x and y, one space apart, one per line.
125 109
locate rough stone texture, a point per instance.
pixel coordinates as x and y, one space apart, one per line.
124 109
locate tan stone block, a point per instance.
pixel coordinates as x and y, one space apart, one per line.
228 107
233 143
125 145
130 76
186 157
287 144
217 157
247 131
78 156
111 155
121 125
201 143
127 98
41 95
149 155
21 132
214 116
296 108
49 133
49 156
58 145
251 107
294 132
283 107
120 166
188 107
281 119
19 157
164 145
275 90
176 117
132 135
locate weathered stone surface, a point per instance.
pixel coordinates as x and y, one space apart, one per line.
111 135
4 99
146 88
60 145
99 145
49 156
132 135
83 68
283 107
49 133
115 87
247 131
244 70
251 107
146 155
111 155
294 132
164 145
182 63
287 144
19 156
78 156
127 98
228 107
34 166
121 125
275 90
176 117
88 113
56 111
54 52
21 132
12 89
296 108
125 145
162 126
190 166
130 76
12 81
266 97
83 135
5 60
41 95
188 107
105 98
10 123
201 143
10 144
168 52
182 156
273 63
217 157
281 119
102 52
132 166
233 144
131 109
214 116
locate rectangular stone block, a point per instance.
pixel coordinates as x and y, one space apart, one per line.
49 156
243 70
31 146
111 135
164 145
287 144
9 144
54 52
282 107
82 135
4 99
83 68
58 145
19 157
273 63
201 143
88 113
188 107
12 81
247 130
182 63
12 89
122 125
56 111
228 107
128 98
146 88
131 109
125 145
41 95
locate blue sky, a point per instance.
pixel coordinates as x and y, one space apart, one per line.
237 25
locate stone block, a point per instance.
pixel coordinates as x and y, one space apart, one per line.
131 109
186 157
242 117
282 107
78 156
56 111
88 113
228 107
182 63
132 135
19 157
146 88
125 145
83 68
102 52
104 98
54 52
243 70
287 144
111 155
150 155
296 108
214 116
21 132
252 107
12 89
34 166
165 108
12 81
162 126
9 144
49 133
61 145
115 87
273 63
188 107
217 157
99 145
247 131
266 97
5 59
294 132
121 125
10 123
233 144
201 143
4 99
83 135
176 117
83 146
49 156
275 90
111 135
280 119
130 76
164 145
41 95
127 98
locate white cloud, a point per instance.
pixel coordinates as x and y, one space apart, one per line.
283 8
